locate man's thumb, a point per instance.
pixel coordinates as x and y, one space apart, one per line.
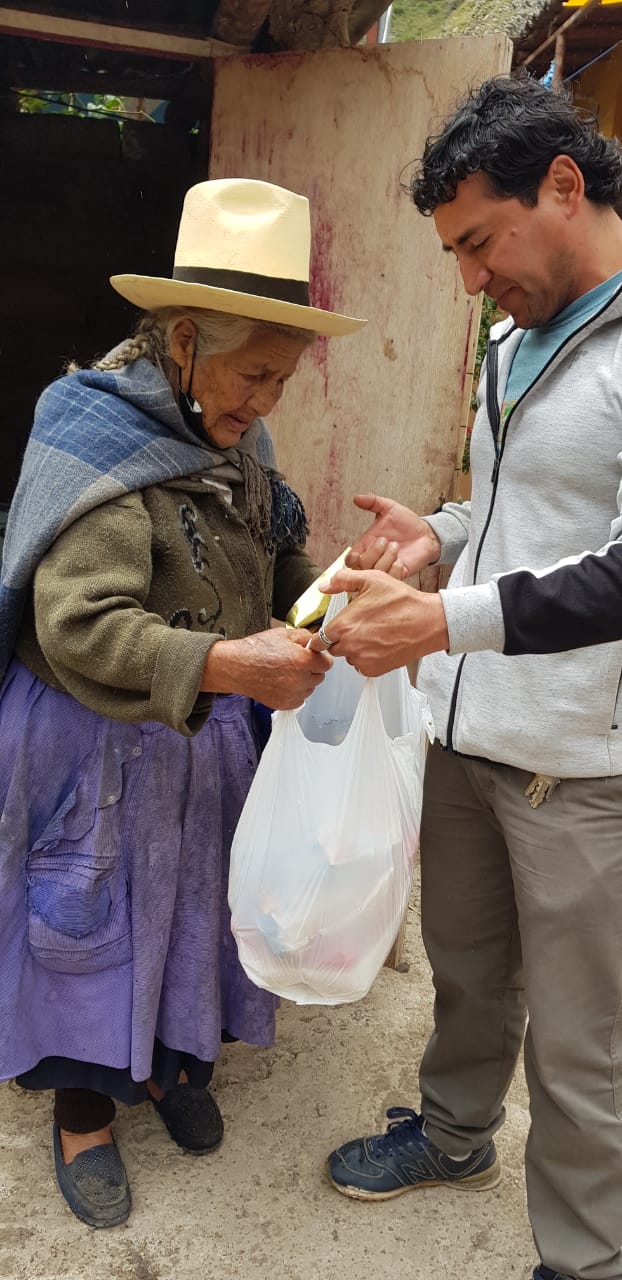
367 502
349 580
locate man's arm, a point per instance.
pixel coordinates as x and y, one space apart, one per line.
451 525
572 605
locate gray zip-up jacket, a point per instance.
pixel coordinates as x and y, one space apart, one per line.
532 677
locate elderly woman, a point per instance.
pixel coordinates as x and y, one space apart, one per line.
150 543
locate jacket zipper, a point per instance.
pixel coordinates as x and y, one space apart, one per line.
494 418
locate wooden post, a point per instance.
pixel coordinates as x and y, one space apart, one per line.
558 72
577 16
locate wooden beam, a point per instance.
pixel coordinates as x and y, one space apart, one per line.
99 35
558 72
577 16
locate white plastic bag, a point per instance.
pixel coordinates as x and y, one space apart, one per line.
323 855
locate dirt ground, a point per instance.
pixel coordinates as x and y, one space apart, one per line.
260 1207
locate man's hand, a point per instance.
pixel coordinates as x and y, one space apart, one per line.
386 625
396 532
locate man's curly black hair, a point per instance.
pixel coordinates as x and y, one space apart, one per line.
511 129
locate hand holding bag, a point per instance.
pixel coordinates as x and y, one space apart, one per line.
323 855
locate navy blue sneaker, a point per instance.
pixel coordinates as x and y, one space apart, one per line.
403 1158
544 1273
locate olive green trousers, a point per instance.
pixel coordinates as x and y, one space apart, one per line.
522 916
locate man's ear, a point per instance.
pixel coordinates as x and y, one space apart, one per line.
565 183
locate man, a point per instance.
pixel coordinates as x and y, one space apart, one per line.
521 839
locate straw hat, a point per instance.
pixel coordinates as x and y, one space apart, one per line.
243 247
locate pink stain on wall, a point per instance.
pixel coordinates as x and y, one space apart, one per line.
325 281
322 274
319 356
268 61
261 144
327 500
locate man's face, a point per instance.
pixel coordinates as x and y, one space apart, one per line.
519 256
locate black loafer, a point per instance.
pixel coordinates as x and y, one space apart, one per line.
94 1184
192 1118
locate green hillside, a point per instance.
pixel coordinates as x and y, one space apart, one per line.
420 19
430 19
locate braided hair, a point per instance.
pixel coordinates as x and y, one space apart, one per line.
217 332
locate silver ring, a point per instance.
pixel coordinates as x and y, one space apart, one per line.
324 638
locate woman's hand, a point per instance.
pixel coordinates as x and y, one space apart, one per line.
274 667
397 537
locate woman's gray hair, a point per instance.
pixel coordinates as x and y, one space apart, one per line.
217 333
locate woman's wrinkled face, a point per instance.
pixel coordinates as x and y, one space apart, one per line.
235 387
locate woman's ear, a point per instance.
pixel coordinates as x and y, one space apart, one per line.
182 342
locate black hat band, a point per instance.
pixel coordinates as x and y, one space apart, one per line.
270 287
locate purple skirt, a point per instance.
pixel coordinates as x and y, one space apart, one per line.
114 863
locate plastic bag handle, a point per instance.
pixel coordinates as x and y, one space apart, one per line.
337 603
369 703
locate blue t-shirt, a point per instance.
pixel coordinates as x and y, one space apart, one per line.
538 346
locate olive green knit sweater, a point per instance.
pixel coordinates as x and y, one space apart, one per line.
127 602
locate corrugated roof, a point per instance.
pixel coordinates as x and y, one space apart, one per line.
46 44
592 33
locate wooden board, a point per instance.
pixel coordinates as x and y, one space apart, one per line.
99 35
380 410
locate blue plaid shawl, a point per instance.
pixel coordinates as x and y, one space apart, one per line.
95 436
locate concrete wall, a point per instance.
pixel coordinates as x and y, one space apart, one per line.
81 200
